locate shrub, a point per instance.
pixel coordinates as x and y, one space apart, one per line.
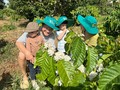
7 51
112 23
88 10
1 14
12 14
7 27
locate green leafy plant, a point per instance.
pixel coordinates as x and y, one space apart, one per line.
112 23
12 14
83 68
1 14
85 10
110 77
8 27
64 72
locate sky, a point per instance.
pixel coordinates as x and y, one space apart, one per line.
6 1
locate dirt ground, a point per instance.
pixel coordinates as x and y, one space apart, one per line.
9 67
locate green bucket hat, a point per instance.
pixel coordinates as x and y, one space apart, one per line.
89 23
50 21
61 20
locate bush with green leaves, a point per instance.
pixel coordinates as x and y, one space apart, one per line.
8 27
81 68
7 51
1 14
7 12
110 46
31 9
86 10
41 8
112 23
2 4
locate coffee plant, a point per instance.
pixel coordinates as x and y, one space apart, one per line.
82 68
112 23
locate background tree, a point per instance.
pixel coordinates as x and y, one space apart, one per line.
33 8
2 4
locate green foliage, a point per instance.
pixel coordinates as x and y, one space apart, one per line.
85 10
65 7
91 59
38 20
78 51
47 65
76 48
12 14
9 13
7 51
31 9
1 14
66 71
109 46
110 77
78 78
69 39
52 68
112 23
2 4
41 8
8 27
107 10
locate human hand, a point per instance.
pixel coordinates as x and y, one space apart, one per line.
65 30
29 56
33 60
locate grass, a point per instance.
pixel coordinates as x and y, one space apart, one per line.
13 83
9 68
7 51
8 27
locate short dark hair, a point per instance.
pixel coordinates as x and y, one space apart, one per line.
65 22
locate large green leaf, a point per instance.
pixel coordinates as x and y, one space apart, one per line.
66 71
51 78
91 59
110 76
68 39
43 62
39 57
69 36
78 78
105 56
78 51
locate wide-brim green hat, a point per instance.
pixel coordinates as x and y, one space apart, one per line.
50 21
89 23
61 20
